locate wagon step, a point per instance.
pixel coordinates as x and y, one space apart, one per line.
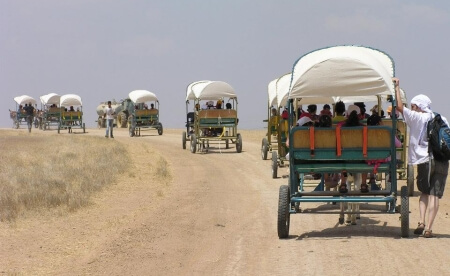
349 193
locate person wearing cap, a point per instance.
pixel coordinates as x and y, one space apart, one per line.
29 111
305 121
431 173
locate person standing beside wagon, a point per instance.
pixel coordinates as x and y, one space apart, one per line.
431 176
109 114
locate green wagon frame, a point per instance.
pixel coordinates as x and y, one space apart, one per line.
356 71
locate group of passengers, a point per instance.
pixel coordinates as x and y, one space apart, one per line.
350 117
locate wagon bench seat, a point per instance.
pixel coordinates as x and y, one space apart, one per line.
354 149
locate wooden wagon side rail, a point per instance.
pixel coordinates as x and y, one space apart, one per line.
71 115
217 117
146 116
334 149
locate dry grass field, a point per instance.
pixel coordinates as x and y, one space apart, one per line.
40 172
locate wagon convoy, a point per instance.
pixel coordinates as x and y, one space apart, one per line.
347 74
329 75
214 119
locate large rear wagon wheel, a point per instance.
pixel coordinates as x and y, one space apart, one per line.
183 140
264 148
193 143
122 120
274 164
283 220
238 143
404 212
160 130
410 179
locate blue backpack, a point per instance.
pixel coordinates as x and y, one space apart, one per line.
438 134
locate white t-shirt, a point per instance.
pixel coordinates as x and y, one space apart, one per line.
109 113
418 144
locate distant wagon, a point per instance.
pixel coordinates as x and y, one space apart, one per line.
214 118
277 124
19 115
72 116
145 114
50 111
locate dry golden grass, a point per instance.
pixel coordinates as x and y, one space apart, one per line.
55 171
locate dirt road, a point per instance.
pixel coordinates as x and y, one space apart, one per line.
217 216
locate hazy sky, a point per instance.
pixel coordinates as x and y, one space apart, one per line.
102 50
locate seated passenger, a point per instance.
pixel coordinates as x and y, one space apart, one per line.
219 104
374 110
326 110
311 113
305 121
285 114
340 112
362 115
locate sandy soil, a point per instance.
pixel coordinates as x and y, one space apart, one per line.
216 217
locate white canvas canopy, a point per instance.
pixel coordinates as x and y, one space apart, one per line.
69 100
283 83
342 71
142 96
51 98
213 90
272 92
24 99
190 95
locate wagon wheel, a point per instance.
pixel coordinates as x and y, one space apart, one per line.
238 143
193 143
283 219
404 212
227 143
84 128
59 129
183 140
264 148
274 164
122 120
160 130
410 180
